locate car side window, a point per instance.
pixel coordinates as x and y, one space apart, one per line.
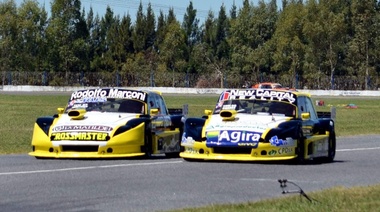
305 106
310 109
301 105
161 103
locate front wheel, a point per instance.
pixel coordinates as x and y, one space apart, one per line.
300 149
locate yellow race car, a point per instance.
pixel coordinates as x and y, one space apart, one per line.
109 123
260 125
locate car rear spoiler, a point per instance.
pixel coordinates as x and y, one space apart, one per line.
179 111
175 111
327 114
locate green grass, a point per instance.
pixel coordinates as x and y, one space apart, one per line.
19 112
338 199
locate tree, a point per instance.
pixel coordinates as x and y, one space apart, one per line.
9 31
325 31
139 38
362 47
290 43
251 34
66 35
172 50
32 48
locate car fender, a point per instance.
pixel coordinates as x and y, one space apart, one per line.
284 130
193 128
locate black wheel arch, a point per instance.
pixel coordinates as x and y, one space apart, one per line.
193 128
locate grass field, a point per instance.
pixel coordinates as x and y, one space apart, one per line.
19 112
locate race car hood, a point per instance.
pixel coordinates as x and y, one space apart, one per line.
92 121
255 123
239 130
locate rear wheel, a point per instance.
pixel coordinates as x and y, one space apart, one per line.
331 149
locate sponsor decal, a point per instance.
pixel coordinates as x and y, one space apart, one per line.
276 95
101 94
191 150
79 106
248 144
91 99
187 141
241 93
258 94
275 141
223 96
236 136
71 103
229 107
249 125
285 150
272 152
81 136
82 128
233 138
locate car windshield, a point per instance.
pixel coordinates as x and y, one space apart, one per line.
107 105
259 107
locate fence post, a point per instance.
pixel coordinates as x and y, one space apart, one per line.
9 78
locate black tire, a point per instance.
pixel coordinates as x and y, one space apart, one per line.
172 154
300 149
332 148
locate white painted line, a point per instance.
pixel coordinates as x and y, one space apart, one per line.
357 149
86 167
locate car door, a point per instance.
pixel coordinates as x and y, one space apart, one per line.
305 106
316 138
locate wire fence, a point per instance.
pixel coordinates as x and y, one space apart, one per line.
174 79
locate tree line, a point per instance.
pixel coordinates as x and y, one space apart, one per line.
315 44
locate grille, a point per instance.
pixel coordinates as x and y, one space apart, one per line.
76 148
224 150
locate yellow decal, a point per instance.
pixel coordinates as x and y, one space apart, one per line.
82 136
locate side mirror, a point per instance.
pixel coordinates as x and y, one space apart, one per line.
60 110
208 112
154 111
305 116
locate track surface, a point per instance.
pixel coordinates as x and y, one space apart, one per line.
28 184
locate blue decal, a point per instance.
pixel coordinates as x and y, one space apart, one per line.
232 138
274 141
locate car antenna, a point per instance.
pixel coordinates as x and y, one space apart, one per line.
283 186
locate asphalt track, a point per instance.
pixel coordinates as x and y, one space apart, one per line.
28 184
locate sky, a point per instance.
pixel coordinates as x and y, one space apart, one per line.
124 7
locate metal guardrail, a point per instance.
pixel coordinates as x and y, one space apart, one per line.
182 90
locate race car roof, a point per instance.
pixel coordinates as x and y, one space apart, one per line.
262 94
